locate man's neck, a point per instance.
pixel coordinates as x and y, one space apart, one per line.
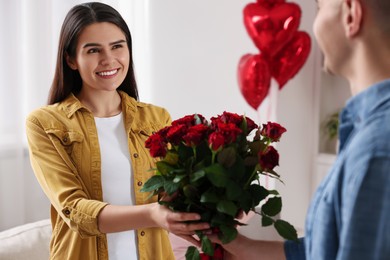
370 66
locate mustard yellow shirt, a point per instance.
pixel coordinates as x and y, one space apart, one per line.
65 157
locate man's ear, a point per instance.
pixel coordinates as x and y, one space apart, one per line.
352 17
71 63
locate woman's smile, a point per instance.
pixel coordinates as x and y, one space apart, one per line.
107 74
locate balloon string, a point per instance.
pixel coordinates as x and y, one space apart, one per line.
270 114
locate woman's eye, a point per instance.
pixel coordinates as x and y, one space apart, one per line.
117 46
93 50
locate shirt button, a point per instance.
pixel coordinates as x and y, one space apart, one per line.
142 233
67 212
135 155
139 183
65 139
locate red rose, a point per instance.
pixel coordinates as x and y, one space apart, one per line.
226 118
156 145
273 131
229 130
195 134
163 132
218 252
216 140
233 118
175 134
203 256
250 125
190 120
269 158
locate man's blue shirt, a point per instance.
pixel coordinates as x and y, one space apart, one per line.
349 217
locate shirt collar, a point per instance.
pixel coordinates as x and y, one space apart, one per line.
359 107
71 104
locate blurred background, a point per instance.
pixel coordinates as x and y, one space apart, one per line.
186 54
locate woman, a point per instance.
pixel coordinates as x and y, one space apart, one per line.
87 147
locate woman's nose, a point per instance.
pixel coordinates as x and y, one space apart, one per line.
106 58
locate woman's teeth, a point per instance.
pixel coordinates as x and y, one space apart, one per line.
107 73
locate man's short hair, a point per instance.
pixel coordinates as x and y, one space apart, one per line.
380 10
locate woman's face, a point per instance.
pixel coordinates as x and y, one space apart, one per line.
102 57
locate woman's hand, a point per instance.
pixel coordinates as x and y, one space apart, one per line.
181 224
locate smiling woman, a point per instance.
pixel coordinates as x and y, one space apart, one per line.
87 147
103 65
29 30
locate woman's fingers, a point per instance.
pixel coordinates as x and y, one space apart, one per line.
183 228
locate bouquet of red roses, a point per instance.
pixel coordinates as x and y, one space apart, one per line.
213 168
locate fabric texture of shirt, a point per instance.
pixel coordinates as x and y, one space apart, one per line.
65 157
349 216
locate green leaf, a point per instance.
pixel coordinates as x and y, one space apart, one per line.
266 221
227 156
205 216
286 230
209 197
219 219
258 193
207 246
273 206
171 158
233 190
178 178
256 147
246 201
197 175
216 175
228 234
251 161
227 207
154 183
273 192
190 191
244 125
237 171
272 172
185 153
179 171
171 187
164 168
192 253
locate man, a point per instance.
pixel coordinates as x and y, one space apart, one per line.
349 217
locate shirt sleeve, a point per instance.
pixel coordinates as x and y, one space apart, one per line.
58 178
365 228
295 250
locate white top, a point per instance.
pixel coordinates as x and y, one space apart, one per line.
117 181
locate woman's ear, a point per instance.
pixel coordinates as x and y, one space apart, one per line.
71 63
352 17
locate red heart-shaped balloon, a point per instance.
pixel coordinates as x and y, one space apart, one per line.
254 78
271 28
270 3
290 60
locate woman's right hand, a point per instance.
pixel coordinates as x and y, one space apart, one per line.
181 224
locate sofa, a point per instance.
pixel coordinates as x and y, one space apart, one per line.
29 241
